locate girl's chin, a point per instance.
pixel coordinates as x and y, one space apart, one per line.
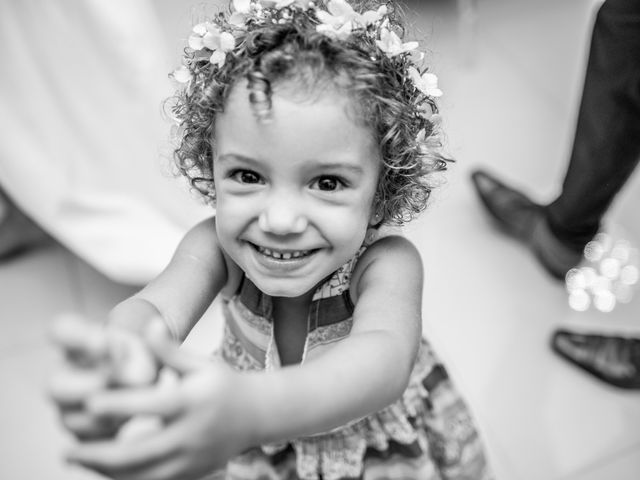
274 290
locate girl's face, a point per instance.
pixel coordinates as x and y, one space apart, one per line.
294 195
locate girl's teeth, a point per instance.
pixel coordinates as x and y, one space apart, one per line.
281 255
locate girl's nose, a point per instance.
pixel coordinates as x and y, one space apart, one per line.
282 217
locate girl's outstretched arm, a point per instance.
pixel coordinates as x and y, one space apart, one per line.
184 289
212 412
366 371
99 358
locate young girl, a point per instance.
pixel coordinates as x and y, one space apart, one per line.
309 126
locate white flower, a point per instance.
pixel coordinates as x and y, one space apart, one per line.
371 16
427 83
428 144
391 44
237 19
341 33
278 4
225 43
209 36
181 75
288 3
195 39
342 19
241 9
341 13
426 111
242 6
338 21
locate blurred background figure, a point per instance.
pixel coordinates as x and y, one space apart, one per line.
84 154
18 233
606 150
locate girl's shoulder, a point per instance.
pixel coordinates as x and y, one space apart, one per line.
201 244
203 231
389 259
206 233
201 241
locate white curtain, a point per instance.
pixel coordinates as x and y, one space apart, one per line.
84 148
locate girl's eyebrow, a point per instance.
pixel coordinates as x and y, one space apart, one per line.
318 165
235 156
352 167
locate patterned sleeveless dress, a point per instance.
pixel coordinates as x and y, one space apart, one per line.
428 434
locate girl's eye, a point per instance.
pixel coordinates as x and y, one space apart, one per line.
246 176
329 183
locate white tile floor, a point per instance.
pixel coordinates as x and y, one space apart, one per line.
511 94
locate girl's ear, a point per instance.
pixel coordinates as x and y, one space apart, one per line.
375 219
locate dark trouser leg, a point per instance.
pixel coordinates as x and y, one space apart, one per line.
606 146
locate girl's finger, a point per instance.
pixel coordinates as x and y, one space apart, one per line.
120 457
168 351
169 468
163 399
132 363
83 342
70 387
86 426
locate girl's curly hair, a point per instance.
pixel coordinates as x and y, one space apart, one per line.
293 53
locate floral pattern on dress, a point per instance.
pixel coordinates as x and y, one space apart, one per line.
235 355
329 333
340 281
259 322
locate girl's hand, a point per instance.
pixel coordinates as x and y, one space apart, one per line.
96 359
204 421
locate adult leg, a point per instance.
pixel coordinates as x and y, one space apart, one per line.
606 145
606 150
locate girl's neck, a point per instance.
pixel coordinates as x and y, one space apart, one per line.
290 323
303 300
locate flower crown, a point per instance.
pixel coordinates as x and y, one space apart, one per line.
340 22
266 41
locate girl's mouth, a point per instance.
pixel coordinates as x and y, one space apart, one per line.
283 254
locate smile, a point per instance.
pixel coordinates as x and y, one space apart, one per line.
283 254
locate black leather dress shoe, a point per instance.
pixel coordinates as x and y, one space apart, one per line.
520 217
612 359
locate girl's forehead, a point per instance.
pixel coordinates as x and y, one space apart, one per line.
323 98
309 129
